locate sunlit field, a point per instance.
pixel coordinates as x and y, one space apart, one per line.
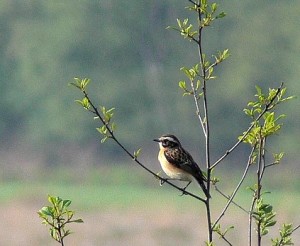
126 206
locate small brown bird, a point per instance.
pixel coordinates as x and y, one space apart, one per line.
177 163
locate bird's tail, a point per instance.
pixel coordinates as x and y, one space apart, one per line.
200 181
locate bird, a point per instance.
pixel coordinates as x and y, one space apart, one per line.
177 163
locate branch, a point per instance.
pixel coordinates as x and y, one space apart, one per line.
296 228
194 3
204 123
188 35
196 99
266 109
226 240
271 164
263 165
250 221
228 197
259 172
113 137
236 189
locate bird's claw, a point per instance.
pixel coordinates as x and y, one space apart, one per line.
183 193
161 180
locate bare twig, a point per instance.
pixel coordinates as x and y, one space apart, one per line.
259 173
194 3
296 228
226 240
198 112
228 197
250 221
263 164
236 189
271 164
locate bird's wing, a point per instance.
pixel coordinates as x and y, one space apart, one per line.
183 160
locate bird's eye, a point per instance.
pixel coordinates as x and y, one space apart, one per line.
165 142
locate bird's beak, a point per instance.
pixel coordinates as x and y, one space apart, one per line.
156 140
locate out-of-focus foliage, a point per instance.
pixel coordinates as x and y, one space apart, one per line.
134 64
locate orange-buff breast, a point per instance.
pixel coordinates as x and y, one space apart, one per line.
171 170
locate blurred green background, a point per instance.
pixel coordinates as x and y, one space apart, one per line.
49 145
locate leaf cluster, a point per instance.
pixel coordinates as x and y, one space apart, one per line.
285 236
261 111
264 216
195 76
57 216
207 12
104 114
107 115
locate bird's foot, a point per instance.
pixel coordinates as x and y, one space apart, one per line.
183 192
161 179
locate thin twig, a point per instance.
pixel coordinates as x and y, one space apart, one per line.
296 228
266 109
271 164
250 221
226 240
236 189
228 197
222 235
198 112
188 35
263 158
205 124
193 3
259 173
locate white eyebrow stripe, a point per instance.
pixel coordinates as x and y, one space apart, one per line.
170 139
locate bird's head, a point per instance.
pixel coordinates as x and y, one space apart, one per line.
168 141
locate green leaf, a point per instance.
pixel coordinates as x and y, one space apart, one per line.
179 23
221 15
104 139
84 82
271 223
187 72
78 221
103 130
266 208
46 211
137 153
80 83
53 200
185 21
66 203
214 7
86 103
182 84
113 126
264 232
